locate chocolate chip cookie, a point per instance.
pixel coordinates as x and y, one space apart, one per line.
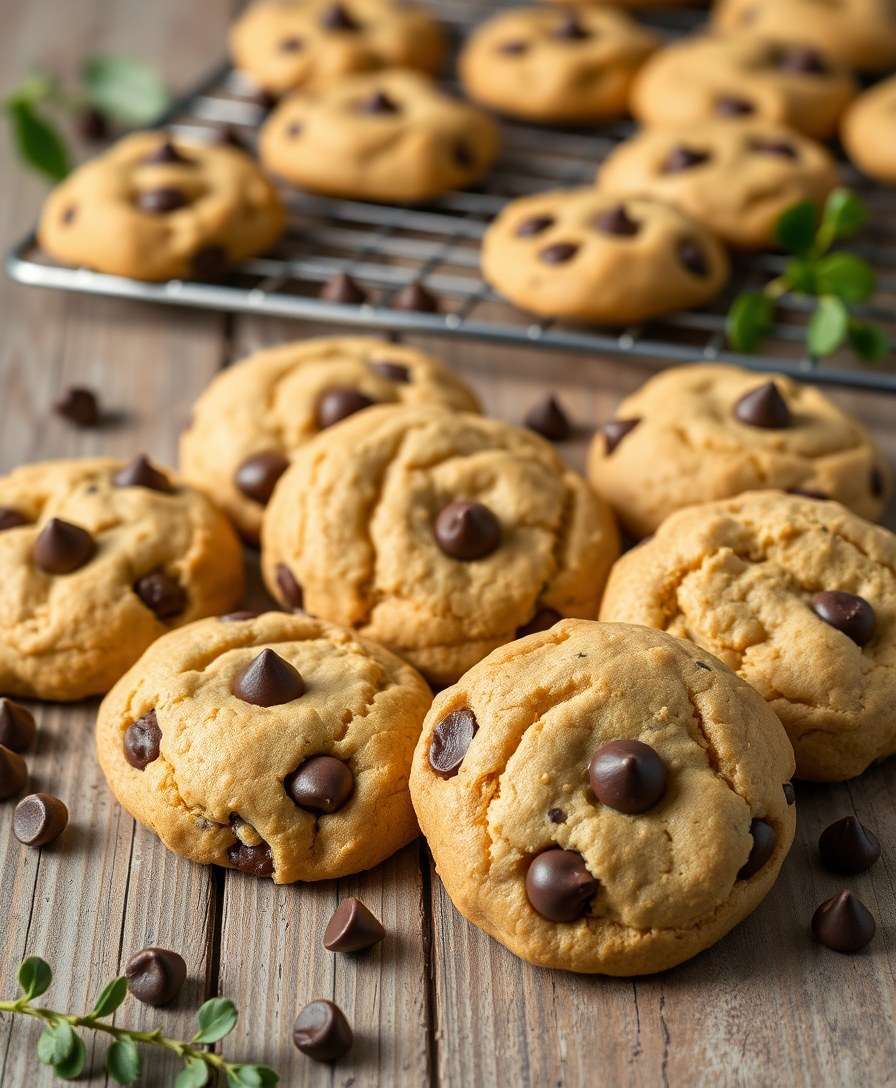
313 43
388 136
596 257
868 129
439 534
157 208
695 433
274 744
735 179
604 798
548 65
799 597
254 415
97 560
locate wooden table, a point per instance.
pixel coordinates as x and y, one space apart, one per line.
437 1002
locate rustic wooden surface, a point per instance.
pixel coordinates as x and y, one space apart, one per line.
437 1002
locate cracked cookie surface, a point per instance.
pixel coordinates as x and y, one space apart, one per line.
660 884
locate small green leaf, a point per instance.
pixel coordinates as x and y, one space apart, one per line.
843 214
217 1018
123 1061
46 1045
35 88
848 277
800 275
38 143
35 977
795 230
193 1075
828 326
128 90
111 996
251 1076
64 1041
868 341
73 1065
749 320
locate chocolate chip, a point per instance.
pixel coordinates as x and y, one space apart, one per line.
395 372
294 129
257 475
557 816
615 430
548 419
617 221
167 198
543 620
558 253
13 773
848 613
17 727
847 847
764 839
290 590
464 156
732 105
876 482
764 407
155 975
693 257
451 738
338 17
801 59
166 152
320 784
843 923
703 665
142 741
162 594
415 298
789 793
62 547
344 290
683 158
268 681
211 262
513 47
337 404
570 30
627 775
79 406
69 215
535 224
39 819
782 148
292 44
377 102
93 125
11 518
353 928
322 1032
467 530
142 473
559 885
252 860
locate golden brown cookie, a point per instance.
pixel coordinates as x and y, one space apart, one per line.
439 534
604 798
274 744
868 130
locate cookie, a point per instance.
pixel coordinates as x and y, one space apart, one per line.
702 78
867 131
439 534
254 415
735 179
799 597
387 136
274 744
857 33
98 559
314 43
589 255
604 798
548 65
702 432
158 208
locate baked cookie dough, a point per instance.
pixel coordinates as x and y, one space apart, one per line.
387 136
592 256
706 77
98 558
735 179
157 208
255 414
799 597
274 744
868 130
702 432
549 65
439 534
313 43
604 798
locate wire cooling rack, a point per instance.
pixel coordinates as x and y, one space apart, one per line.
385 248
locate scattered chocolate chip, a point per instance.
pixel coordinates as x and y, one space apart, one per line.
732 105
535 224
337 404
142 741
847 847
451 738
627 775
543 620
211 262
467 530
39 819
93 125
764 839
353 928
557 816
62 547
377 102
338 17
683 158
292 44
415 298
764 407
615 430
320 784
69 215
617 221
395 372
256 476
322 1032
843 923
290 590
268 681
167 153
789 793
548 419
782 148
11 518
570 29
142 473
876 482
155 975
253 860
513 47
17 727
558 253
158 201
79 406
801 59
13 773
344 290
559 885
692 256
161 594
848 613
239 617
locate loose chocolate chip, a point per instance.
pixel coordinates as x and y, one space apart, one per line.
876 482
559 885
211 262
764 839
557 816
292 44
353 928
627 775
158 201
732 105
535 224
764 407
548 419
39 819
801 59
450 740
344 290
320 784
843 923
467 530
615 430
257 475
847 847
543 620
93 125
253 860
558 253
617 221
789 793
268 681
11 519
684 158
290 590
377 102
514 47
337 404
395 372
571 30
782 148
13 773
79 406
693 257
17 727
338 17
848 613
69 215
142 473
166 152
322 1032
62 547
142 741
238 617
155 975
161 594
415 298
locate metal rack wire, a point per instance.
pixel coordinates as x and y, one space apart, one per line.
385 248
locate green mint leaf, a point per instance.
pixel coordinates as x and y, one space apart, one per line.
123 1061
251 1076
111 996
217 1018
194 1074
128 90
34 89
800 275
46 1045
64 1041
846 276
868 341
828 326
73 1066
35 977
795 230
749 320
843 214
37 142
